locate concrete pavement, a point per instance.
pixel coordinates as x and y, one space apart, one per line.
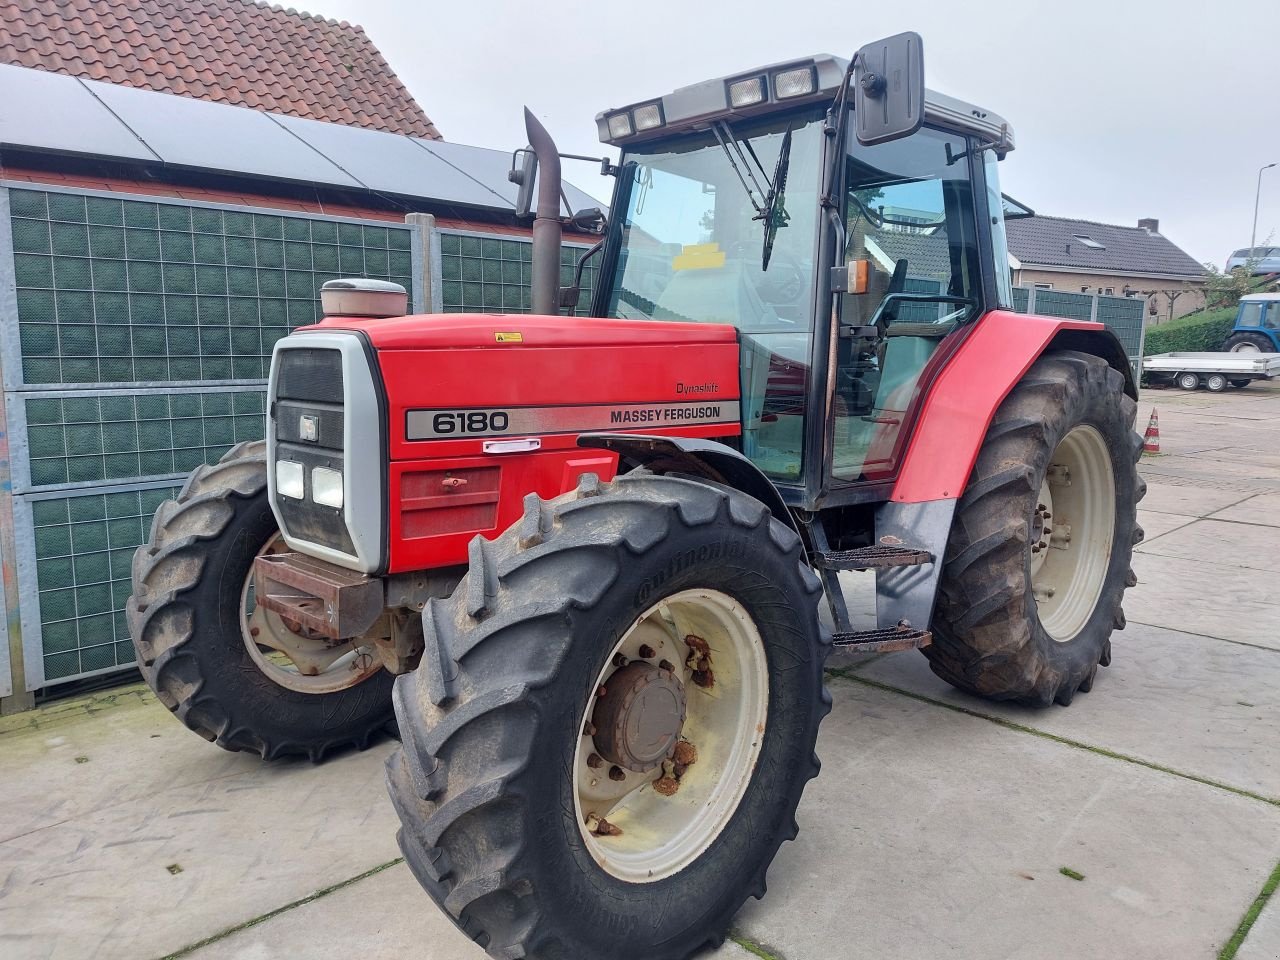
938 828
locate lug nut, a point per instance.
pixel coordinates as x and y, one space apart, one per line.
620 660
668 666
616 774
254 631
646 651
666 786
595 761
589 730
686 753
601 692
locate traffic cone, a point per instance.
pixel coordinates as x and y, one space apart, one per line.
1151 439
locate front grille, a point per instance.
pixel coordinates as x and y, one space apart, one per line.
309 384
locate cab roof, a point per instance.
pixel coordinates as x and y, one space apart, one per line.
695 106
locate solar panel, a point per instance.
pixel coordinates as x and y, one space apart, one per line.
202 135
392 163
491 166
47 111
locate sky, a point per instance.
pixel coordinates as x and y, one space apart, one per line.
1122 110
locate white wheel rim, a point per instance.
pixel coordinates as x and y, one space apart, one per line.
295 660
1188 382
1245 347
1073 530
725 722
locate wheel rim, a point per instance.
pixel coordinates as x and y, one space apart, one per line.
699 665
1216 383
297 659
1073 532
1245 347
1188 382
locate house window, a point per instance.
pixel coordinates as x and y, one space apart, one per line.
1089 242
1107 291
1084 289
1043 286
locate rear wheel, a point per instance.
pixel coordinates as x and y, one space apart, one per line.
1215 383
613 723
1248 343
234 672
1188 381
1038 558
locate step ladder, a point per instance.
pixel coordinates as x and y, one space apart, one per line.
882 641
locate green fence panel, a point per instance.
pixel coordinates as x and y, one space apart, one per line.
1124 316
491 274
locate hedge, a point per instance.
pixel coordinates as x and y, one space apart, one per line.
1195 332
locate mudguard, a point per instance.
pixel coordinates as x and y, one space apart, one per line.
960 405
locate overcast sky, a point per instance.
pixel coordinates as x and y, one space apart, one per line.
1121 109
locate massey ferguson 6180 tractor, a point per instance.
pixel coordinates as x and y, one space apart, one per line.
585 557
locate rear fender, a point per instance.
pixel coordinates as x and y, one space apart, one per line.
960 405
707 459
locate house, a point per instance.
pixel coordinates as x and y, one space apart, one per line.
1081 256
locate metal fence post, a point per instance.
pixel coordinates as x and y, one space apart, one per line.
428 294
14 695
1093 309
1031 300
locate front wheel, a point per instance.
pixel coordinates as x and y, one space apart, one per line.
1038 558
1188 381
613 723
232 671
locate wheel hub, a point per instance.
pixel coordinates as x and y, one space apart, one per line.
639 718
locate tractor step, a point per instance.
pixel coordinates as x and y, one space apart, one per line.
883 641
876 557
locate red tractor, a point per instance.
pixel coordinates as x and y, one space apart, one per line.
585 558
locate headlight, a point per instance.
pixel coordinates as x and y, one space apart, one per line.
620 125
289 479
326 487
647 117
744 93
793 83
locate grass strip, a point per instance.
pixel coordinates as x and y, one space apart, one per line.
333 888
1229 949
1073 874
1065 741
753 948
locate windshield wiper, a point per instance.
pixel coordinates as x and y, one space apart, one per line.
720 129
775 213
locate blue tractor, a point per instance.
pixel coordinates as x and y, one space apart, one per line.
1257 328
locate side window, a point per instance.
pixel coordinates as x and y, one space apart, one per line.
1273 315
1250 314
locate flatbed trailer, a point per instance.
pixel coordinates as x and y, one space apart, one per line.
1213 371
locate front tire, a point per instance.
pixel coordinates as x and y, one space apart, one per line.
189 623
1188 381
1038 557
489 783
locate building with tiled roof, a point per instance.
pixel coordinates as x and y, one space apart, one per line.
236 52
1082 256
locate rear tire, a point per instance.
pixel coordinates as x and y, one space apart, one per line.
486 783
1215 383
989 635
1248 343
185 619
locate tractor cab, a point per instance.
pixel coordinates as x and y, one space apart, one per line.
753 200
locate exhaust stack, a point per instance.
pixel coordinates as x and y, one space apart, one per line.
546 225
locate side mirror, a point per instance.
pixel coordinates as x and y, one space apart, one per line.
524 175
888 89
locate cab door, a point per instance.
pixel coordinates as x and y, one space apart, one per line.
910 216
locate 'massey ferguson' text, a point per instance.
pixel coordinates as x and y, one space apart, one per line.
663 414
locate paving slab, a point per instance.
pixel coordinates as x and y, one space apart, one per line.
207 840
1184 500
1263 509
1225 542
1211 599
1158 524
383 916
1263 941
932 834
1197 705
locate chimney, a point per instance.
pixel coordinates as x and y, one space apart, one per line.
1150 225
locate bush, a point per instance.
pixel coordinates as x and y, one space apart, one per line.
1196 332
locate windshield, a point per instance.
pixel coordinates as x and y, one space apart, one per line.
717 230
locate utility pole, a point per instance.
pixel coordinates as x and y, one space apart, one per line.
1253 237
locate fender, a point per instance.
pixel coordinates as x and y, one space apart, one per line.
707 459
959 407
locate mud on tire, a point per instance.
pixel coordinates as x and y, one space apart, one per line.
184 617
484 784
988 637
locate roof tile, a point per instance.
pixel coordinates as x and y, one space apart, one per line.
292 62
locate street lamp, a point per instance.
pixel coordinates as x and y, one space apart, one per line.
1253 237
